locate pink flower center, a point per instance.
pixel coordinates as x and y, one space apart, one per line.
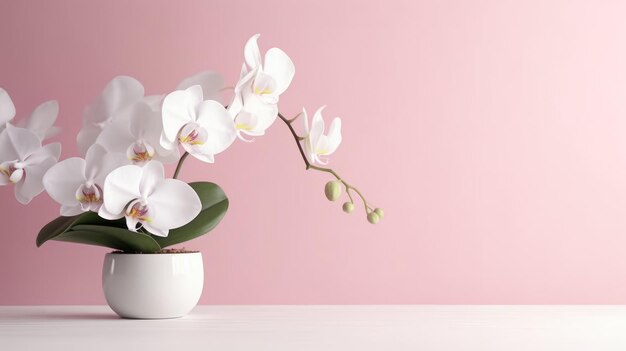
89 196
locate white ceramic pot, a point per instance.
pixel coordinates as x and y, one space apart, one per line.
152 286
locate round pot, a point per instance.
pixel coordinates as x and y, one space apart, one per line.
152 286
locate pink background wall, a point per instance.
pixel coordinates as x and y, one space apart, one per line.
491 132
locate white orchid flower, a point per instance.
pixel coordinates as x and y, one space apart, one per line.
76 183
316 143
203 128
40 122
146 199
23 161
7 108
120 93
254 106
136 132
212 84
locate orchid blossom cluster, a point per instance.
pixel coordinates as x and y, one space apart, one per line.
127 137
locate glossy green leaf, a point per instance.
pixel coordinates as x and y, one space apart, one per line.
115 238
62 224
214 207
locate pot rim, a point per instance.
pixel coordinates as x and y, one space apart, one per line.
153 254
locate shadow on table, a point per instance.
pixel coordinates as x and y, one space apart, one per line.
79 316
70 315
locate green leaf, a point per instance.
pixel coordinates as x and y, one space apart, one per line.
62 224
214 207
54 229
113 237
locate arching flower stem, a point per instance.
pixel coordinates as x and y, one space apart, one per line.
180 164
308 164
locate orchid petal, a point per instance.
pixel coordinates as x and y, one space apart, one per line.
196 95
264 85
201 154
32 185
71 210
235 106
99 162
18 143
153 173
244 71
264 113
7 151
104 213
42 119
93 159
245 83
168 145
278 65
62 180
211 83
317 127
142 118
119 93
121 186
167 156
131 223
221 132
243 138
334 135
179 109
86 137
154 101
115 139
173 204
156 231
108 163
246 121
309 150
251 52
147 126
7 108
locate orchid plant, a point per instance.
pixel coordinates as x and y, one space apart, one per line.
117 195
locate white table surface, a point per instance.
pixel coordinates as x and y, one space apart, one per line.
346 328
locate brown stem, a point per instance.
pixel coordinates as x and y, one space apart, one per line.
297 138
180 164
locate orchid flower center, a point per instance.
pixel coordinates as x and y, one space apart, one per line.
140 152
321 151
13 171
264 85
192 134
89 196
244 126
138 210
262 90
245 121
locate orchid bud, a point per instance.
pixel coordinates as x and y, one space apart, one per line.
332 190
372 217
380 213
348 207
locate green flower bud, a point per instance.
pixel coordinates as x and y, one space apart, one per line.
333 190
372 217
380 213
348 207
